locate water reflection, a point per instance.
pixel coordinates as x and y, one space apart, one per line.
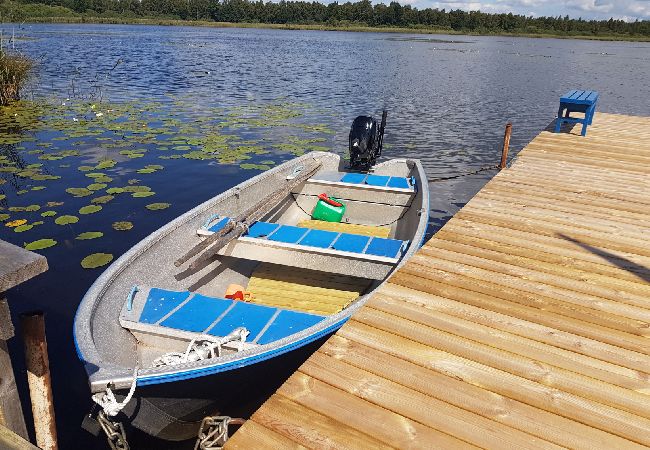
174 92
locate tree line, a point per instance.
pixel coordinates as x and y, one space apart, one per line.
359 13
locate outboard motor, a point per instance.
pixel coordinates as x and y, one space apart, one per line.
366 141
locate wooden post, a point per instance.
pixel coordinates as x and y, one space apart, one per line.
506 146
17 265
11 413
38 376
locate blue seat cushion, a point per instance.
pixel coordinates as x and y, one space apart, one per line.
288 234
287 323
354 243
353 178
249 315
319 238
261 229
398 182
265 323
390 248
345 242
377 180
159 303
197 314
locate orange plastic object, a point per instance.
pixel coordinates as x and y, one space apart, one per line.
237 292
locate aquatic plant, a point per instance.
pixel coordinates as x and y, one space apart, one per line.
65 220
122 226
90 209
96 260
14 72
89 235
157 206
40 244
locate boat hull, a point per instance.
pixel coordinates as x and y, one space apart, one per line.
174 412
170 402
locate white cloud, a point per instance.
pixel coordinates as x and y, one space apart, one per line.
587 9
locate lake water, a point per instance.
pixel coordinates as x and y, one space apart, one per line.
202 109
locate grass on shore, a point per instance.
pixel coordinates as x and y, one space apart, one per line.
14 71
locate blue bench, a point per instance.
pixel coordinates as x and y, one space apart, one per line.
577 101
195 313
320 239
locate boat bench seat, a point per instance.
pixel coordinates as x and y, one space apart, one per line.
361 187
362 180
310 238
183 315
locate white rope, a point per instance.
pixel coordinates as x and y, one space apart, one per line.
210 348
109 403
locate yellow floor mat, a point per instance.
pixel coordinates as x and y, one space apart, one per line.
366 230
304 290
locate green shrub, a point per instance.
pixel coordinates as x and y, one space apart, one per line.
14 71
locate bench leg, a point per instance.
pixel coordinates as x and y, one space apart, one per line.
591 111
558 121
584 127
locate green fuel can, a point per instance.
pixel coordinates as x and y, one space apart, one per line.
328 209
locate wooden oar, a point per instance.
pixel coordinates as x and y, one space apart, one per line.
239 225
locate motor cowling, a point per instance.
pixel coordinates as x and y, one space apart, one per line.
365 142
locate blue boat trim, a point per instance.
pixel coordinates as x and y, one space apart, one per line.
147 380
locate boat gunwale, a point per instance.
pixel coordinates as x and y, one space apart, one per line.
100 372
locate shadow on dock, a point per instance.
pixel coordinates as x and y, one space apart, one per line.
623 263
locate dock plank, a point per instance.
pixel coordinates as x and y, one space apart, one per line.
18 265
523 323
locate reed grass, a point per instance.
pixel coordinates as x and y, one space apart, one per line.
14 72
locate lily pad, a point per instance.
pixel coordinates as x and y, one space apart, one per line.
30 208
114 190
79 192
89 235
102 199
22 228
65 220
157 206
2 196
48 213
53 204
38 188
16 223
145 170
96 186
106 164
142 194
40 244
136 188
90 209
4 217
96 260
122 226
85 168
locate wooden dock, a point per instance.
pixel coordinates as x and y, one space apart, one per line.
523 323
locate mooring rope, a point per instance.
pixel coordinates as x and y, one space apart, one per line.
109 403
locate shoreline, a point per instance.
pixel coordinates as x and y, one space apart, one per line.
313 27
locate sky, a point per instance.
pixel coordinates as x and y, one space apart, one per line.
629 10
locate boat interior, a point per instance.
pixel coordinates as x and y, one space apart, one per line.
289 271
